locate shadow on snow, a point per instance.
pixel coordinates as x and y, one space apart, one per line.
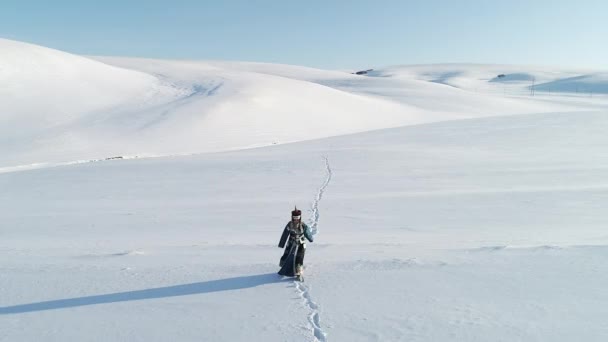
219 285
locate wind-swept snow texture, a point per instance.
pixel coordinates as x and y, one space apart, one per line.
447 206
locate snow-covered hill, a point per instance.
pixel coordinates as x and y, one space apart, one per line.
584 84
449 203
43 88
60 107
57 107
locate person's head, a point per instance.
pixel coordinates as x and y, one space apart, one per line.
296 215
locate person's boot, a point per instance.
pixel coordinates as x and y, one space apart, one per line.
299 273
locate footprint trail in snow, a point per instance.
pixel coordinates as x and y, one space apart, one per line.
314 221
303 290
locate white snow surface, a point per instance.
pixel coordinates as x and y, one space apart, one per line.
448 204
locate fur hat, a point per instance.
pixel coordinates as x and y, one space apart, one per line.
296 213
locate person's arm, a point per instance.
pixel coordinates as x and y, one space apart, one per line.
284 236
307 232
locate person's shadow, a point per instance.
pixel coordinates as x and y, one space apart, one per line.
227 284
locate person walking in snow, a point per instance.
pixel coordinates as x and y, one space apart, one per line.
295 235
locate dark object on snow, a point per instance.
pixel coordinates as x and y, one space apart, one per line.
501 76
295 235
362 72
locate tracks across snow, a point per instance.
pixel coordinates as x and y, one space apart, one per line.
313 317
303 290
314 220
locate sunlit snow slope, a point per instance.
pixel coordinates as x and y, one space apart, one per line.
450 202
56 107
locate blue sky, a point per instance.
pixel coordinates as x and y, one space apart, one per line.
326 34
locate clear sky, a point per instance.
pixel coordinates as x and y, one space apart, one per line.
327 34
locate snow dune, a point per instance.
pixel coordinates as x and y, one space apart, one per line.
42 87
60 107
503 79
57 107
